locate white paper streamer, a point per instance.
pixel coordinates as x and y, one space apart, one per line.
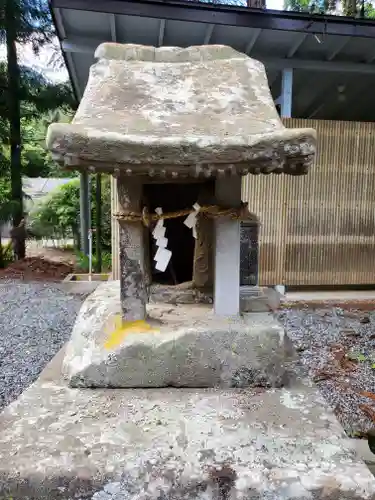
162 242
191 219
159 232
162 255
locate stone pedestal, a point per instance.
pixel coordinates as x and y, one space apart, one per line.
133 287
186 345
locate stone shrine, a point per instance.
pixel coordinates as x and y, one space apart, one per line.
194 120
201 117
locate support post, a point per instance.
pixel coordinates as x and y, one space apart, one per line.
203 251
227 251
84 211
132 279
286 98
115 246
98 223
147 259
286 103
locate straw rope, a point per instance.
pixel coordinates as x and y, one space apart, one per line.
213 211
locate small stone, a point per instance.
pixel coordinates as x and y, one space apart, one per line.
348 332
364 320
301 348
112 488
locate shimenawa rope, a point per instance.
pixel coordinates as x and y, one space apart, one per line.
214 211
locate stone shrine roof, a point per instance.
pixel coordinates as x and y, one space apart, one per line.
200 111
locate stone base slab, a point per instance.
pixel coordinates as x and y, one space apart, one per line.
185 346
58 443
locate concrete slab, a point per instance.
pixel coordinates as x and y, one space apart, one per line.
182 345
364 453
327 295
58 443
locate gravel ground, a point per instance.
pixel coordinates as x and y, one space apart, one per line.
337 350
35 321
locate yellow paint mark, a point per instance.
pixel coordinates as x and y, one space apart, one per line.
123 328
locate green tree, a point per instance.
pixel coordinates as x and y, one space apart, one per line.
350 8
41 103
311 6
5 212
57 215
24 21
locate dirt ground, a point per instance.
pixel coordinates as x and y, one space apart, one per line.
52 254
41 264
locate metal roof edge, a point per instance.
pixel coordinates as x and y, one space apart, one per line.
227 15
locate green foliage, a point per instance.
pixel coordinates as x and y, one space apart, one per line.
83 263
33 22
37 95
311 6
25 95
6 255
41 104
350 8
57 216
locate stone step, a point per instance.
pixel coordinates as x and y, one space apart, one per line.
365 454
58 443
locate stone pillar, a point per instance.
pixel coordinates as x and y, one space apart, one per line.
147 262
203 252
227 249
133 289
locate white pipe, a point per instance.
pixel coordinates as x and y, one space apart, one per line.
90 254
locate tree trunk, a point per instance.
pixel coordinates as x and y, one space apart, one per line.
14 122
76 237
98 224
256 4
2 263
350 8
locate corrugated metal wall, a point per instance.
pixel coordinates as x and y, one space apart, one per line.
318 229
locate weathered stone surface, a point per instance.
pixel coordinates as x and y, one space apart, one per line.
183 293
58 443
364 453
255 299
132 262
217 117
187 347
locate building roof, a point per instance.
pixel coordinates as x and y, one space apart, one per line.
333 57
201 111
